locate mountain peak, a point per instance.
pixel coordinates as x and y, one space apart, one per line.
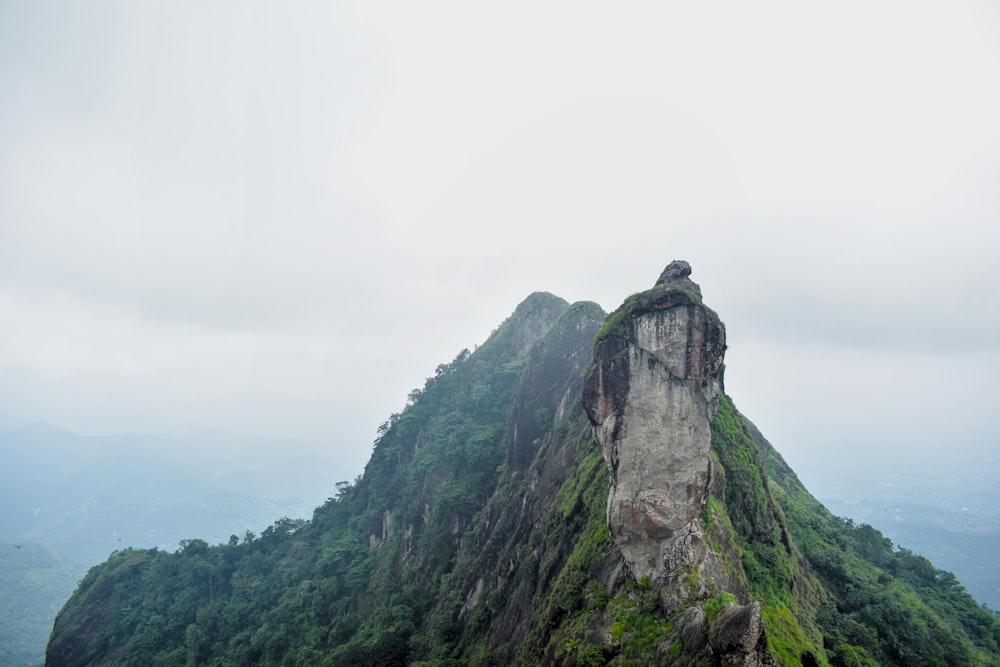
532 318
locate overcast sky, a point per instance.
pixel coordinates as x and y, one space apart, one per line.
279 218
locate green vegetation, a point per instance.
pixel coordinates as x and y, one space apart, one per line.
882 606
768 556
334 590
828 586
614 324
639 625
786 639
714 605
577 521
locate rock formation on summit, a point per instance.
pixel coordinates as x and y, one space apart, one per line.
651 395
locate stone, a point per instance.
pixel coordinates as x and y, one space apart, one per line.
693 636
741 640
675 270
650 397
740 628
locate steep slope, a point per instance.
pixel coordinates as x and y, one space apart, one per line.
883 606
541 538
433 467
503 520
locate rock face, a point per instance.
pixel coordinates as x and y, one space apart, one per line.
651 394
737 636
741 635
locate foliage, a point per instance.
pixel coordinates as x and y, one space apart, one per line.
334 586
614 324
578 518
768 557
786 639
367 581
639 625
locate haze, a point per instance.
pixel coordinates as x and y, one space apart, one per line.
279 221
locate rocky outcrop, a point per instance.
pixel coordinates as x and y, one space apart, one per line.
530 321
735 636
741 639
651 394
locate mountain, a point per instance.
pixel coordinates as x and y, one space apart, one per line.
579 490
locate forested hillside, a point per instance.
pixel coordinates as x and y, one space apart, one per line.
478 535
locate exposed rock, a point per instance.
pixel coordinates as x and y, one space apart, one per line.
675 270
651 395
676 274
532 318
693 636
538 465
736 636
551 382
741 638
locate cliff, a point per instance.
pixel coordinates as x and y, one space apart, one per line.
502 519
651 394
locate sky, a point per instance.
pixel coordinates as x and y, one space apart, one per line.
278 218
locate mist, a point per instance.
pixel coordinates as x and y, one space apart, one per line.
277 223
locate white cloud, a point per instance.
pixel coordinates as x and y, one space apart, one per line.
203 205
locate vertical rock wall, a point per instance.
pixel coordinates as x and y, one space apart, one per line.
651 394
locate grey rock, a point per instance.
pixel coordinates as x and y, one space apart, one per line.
740 629
651 397
675 270
694 638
